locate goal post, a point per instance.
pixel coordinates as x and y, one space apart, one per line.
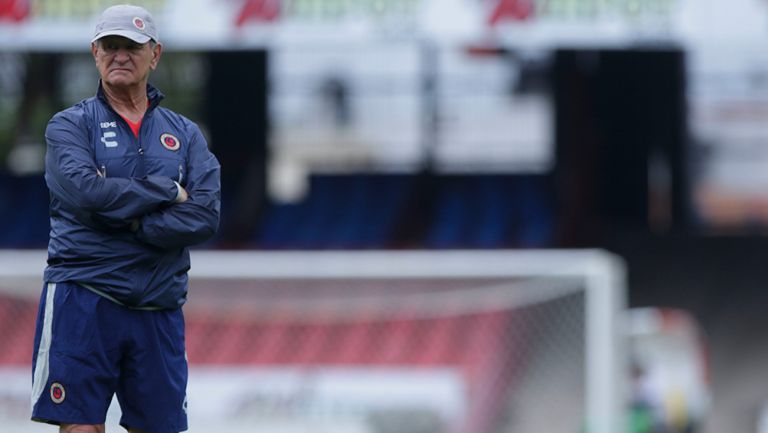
602 274
443 341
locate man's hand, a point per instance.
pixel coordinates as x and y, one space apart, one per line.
182 196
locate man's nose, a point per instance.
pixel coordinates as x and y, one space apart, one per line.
121 55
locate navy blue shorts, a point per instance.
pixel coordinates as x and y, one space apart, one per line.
88 348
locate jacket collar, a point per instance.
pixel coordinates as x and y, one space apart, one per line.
154 95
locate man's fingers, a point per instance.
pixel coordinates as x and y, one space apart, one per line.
183 195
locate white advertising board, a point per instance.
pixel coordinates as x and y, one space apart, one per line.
282 399
218 24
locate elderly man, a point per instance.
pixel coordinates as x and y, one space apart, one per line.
132 186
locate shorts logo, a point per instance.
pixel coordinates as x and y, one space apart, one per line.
138 23
57 393
170 142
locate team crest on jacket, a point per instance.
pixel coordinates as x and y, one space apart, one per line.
170 142
57 392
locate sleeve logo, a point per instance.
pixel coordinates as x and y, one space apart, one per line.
170 142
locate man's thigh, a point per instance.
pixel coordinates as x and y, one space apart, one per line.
75 363
153 382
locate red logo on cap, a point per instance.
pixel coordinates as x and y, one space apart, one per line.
139 23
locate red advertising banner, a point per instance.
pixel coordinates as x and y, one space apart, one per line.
14 10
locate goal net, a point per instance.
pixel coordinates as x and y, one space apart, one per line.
377 341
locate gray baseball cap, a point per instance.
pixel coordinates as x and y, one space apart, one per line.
132 22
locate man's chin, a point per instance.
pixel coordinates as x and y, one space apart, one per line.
120 81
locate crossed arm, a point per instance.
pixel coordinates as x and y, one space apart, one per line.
159 211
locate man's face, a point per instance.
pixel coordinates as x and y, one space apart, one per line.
122 62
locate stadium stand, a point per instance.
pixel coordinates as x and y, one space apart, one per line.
25 218
399 210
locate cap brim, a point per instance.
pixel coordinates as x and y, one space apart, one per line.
134 36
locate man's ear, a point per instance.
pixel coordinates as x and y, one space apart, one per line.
157 51
94 48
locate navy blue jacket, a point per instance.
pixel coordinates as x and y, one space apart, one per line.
101 178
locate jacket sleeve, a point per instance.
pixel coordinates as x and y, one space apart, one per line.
72 177
197 219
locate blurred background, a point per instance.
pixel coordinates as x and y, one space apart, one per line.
635 126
